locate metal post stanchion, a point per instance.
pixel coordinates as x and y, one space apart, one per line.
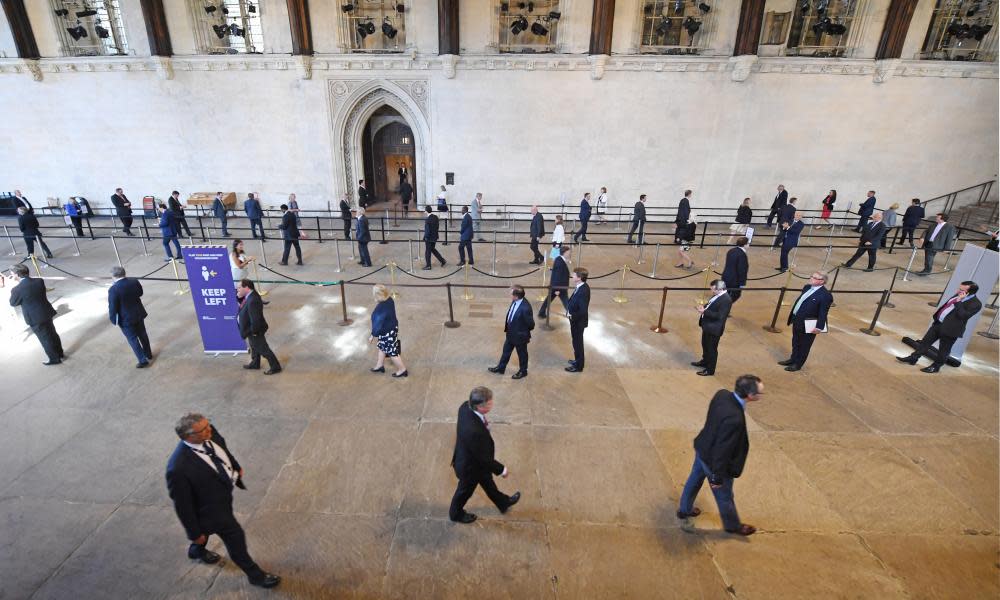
180 285
13 251
467 295
870 330
451 323
788 282
493 270
659 328
392 278
621 298
704 230
319 231
142 241
991 331
256 275
409 246
718 246
343 307
618 221
579 254
90 229
114 245
772 328
892 284
76 243
336 244
38 271
381 221
638 260
836 273
656 259
145 227
201 226
263 254
545 263
951 251
826 259
114 224
446 232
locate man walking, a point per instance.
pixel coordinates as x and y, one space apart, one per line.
947 326
807 318
473 458
27 222
253 327
252 208
174 202
465 237
125 310
911 220
219 212
168 232
536 231
363 236
734 273
712 320
558 281
720 452
579 310
201 474
865 211
363 200
638 218
584 219
477 216
939 236
785 217
517 327
431 228
123 208
790 241
29 294
683 216
345 216
871 238
779 201
290 235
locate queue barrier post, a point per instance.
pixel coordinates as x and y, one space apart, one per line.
638 260
336 245
467 295
38 271
451 323
343 306
870 330
256 275
772 328
704 230
544 293
892 284
659 328
381 222
201 226
114 245
392 279
13 251
180 285
909 265
142 240
493 271
836 273
620 298
656 259
788 282
319 231
145 227
263 253
991 331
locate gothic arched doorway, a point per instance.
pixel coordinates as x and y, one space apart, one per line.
388 146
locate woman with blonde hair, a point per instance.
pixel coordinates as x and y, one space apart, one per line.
385 331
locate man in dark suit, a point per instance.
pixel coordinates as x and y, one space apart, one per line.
220 212
807 318
712 320
683 216
364 236
405 194
517 327
871 236
123 208
431 228
201 474
638 218
29 294
174 202
911 220
720 452
473 458
168 232
780 200
403 175
125 310
865 211
345 216
535 232
558 281
256 215
290 235
27 222
736 269
20 200
585 212
362 194
938 237
465 237
785 217
253 327
578 309
790 240
947 326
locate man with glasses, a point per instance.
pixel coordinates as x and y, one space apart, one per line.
201 474
807 318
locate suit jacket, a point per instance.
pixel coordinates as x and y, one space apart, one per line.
787 214
202 499
362 196
736 269
384 317
913 216
943 240
537 226
559 278
473 457
168 223
252 208
345 210
713 320
289 227
405 190
867 207
175 205
780 200
639 213
218 208
361 231
744 214
791 238
815 306
519 329
872 232
585 210
431 227
121 209
28 224
953 325
251 316
124 302
23 201
465 234
579 305
29 294
683 211
723 443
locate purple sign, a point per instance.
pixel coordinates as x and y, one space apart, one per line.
214 296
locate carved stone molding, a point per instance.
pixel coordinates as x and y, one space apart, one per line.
303 63
884 69
164 67
741 67
598 62
448 62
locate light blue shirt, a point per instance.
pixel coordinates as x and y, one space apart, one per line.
743 403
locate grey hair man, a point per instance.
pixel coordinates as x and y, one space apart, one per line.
712 316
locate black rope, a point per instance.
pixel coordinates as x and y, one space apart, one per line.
665 278
432 278
154 271
87 279
592 277
509 276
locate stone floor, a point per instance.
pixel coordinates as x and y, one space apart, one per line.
866 478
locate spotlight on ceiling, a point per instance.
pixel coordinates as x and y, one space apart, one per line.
663 27
210 8
822 26
101 32
837 29
347 8
251 8
387 29
538 29
678 7
77 32
692 25
804 5
821 6
980 31
400 8
555 15
220 30
236 30
366 29
85 13
704 8
62 12
225 10
520 24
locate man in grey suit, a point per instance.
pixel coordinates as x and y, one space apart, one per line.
712 320
939 236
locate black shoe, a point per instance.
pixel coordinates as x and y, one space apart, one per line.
471 263
910 360
427 268
207 556
705 373
793 368
403 374
284 264
700 363
273 371
780 269
869 270
299 263
378 370
465 518
786 363
586 239
513 500
251 367
49 363
141 365
460 263
573 369
684 515
266 580
519 375
496 370
49 255
444 262
931 369
571 361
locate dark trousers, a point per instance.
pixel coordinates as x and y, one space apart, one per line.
576 334
430 248
166 246
46 334
127 225
522 355
885 236
640 225
778 237
710 350
259 348
135 334
366 259
944 344
801 343
582 232
785 251
734 293
771 215
929 255
871 250
861 223
347 230
288 247
544 310
232 535
906 232
30 243
78 225
224 224
183 224
256 224
723 495
466 487
534 250
462 247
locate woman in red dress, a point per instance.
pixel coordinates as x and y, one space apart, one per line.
828 203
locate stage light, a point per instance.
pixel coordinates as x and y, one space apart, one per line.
555 15
837 29
692 25
220 30
62 12
77 32
663 27
86 13
251 8
538 29
504 7
821 6
347 8
387 29
225 10
678 7
980 31
822 26
804 5
210 8
704 8
520 24
234 29
400 8
101 32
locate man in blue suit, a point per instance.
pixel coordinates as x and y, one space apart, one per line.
785 217
255 214
911 220
579 310
865 211
169 231
219 212
465 237
363 235
125 310
736 269
807 318
584 219
558 281
790 240
432 225
517 326
536 231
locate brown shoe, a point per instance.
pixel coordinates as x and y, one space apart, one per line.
744 530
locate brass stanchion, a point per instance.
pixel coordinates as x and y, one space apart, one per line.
451 323
343 306
777 309
256 275
180 284
467 295
540 297
621 298
659 328
38 272
788 282
392 279
892 284
909 265
870 330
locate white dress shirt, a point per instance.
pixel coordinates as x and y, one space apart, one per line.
937 230
202 452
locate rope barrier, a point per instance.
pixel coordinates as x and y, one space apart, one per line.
608 274
91 280
666 278
436 278
507 276
266 268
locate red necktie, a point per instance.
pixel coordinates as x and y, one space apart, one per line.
947 304
486 422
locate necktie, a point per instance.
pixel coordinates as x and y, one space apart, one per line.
219 465
798 303
948 304
486 422
510 313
